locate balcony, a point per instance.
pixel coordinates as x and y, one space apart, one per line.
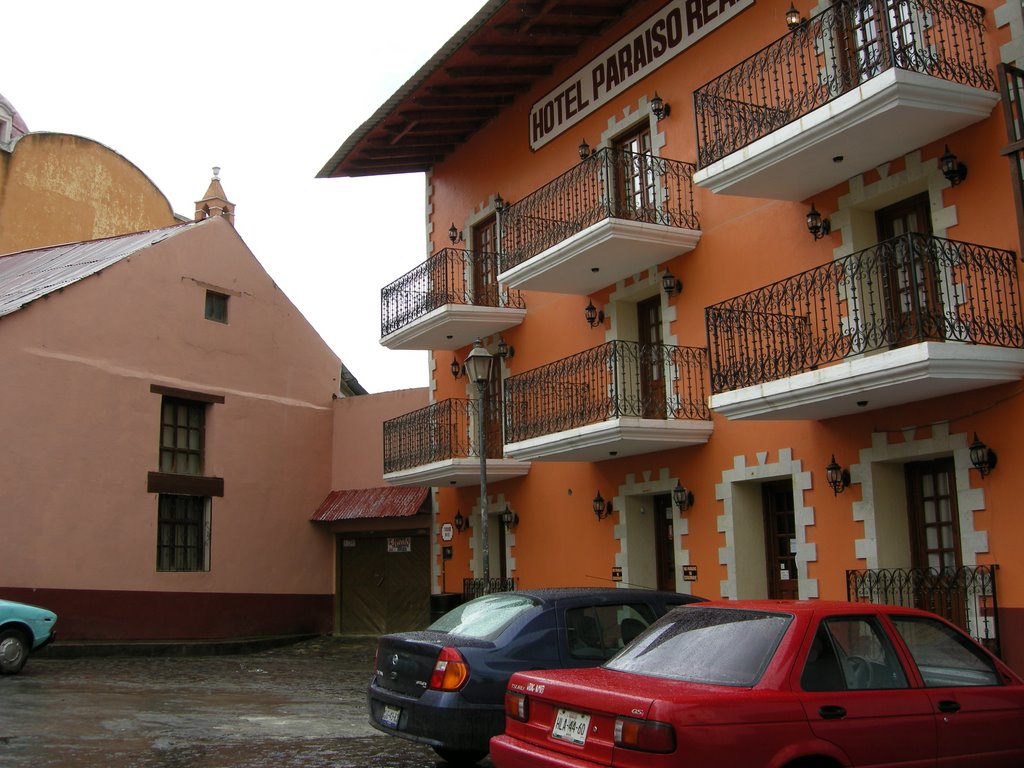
447 302
858 82
911 318
621 398
438 445
613 215
965 596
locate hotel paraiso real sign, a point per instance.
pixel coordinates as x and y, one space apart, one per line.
661 37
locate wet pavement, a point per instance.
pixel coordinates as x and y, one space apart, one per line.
298 706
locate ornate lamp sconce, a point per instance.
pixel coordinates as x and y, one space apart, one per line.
838 478
682 497
982 457
816 225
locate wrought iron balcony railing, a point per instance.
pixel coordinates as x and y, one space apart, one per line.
909 289
965 596
478 587
443 430
616 379
450 276
831 54
609 184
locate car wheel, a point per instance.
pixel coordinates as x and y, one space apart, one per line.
460 757
13 651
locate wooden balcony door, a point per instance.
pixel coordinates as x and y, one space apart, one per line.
485 267
652 368
913 302
881 34
779 535
935 533
637 196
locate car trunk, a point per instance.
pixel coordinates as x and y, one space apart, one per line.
563 718
405 665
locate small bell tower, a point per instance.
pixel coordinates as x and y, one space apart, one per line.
215 202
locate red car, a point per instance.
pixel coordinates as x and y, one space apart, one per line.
774 684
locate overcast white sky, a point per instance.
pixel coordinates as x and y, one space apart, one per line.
267 91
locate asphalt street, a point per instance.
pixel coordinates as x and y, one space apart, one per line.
297 706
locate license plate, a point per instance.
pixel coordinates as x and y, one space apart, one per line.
390 716
571 726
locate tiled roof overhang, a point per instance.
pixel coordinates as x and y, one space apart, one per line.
370 503
500 54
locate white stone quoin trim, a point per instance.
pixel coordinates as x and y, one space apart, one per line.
728 524
634 489
941 443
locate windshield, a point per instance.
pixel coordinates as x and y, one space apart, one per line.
720 646
485 617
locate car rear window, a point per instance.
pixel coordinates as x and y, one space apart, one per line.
718 646
485 617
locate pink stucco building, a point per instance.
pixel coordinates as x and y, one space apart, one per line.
172 422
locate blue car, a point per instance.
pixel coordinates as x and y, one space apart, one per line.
445 686
23 629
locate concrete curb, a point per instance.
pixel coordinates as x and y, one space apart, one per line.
77 649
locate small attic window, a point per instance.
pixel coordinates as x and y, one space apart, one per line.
5 128
216 307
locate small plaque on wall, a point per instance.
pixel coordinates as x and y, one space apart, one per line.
616 573
689 573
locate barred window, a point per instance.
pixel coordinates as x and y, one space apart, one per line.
182 424
183 533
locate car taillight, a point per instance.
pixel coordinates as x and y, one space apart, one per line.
450 671
644 735
517 706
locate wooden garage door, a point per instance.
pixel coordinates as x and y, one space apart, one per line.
385 584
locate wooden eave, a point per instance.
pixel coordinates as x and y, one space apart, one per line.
500 54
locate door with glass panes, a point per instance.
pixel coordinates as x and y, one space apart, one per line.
649 359
909 271
780 540
935 536
485 268
637 198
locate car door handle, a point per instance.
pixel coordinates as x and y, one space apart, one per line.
832 713
949 706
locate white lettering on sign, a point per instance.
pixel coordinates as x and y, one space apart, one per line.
399 545
672 30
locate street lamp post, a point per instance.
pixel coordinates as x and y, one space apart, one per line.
478 366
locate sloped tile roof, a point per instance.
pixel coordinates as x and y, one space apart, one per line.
29 275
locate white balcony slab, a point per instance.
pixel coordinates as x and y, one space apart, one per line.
458 472
613 438
888 116
453 326
599 256
881 380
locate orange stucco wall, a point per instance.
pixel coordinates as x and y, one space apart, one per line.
57 188
745 243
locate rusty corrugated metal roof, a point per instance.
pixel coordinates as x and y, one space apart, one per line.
29 275
364 503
